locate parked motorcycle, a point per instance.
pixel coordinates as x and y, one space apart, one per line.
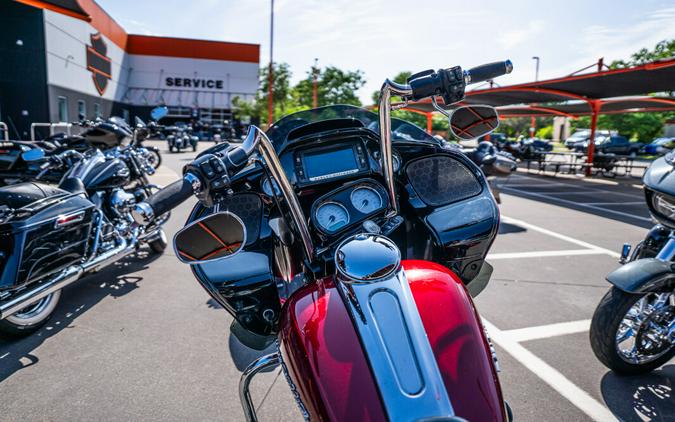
495 164
351 250
180 137
526 148
52 236
633 327
99 134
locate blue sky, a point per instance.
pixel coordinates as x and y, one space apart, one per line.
383 37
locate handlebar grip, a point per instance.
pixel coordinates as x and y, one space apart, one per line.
169 197
488 71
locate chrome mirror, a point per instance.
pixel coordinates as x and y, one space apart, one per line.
216 236
34 154
471 122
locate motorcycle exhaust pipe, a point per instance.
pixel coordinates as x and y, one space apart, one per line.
64 278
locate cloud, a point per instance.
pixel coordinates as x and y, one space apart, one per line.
515 37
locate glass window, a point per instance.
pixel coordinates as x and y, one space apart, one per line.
81 109
97 110
63 109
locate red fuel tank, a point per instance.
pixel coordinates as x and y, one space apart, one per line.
326 362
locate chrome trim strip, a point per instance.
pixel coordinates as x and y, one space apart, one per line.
396 345
277 172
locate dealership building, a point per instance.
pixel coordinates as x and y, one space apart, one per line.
65 58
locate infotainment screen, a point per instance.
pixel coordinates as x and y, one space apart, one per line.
329 163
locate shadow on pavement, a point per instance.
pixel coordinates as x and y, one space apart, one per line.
647 397
617 210
76 299
506 228
242 356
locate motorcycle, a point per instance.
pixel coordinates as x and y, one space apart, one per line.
100 134
52 236
180 137
353 248
495 164
633 327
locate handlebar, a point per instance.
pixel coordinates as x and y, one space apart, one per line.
487 71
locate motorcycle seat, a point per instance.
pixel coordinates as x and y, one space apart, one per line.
22 194
73 185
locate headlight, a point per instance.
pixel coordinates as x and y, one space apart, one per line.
664 206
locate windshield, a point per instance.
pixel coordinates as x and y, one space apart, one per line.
401 130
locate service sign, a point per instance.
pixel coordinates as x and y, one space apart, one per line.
205 84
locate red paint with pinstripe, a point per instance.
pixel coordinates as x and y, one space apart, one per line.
327 364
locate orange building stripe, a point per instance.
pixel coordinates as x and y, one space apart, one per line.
155 46
195 49
54 8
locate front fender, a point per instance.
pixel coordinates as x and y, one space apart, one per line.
643 275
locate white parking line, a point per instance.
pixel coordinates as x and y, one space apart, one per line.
616 203
543 254
551 376
578 204
547 331
559 236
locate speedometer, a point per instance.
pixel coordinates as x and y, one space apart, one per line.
332 216
366 199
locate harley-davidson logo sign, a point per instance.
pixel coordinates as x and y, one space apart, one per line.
98 63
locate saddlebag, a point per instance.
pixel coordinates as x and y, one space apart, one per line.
43 229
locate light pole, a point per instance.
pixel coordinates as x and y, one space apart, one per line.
536 79
315 87
270 82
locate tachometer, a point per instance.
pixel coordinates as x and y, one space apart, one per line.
366 199
332 216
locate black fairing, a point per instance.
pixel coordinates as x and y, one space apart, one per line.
32 243
660 177
109 174
244 284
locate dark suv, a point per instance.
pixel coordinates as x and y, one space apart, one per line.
614 144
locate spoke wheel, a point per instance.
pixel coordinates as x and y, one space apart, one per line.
632 333
30 318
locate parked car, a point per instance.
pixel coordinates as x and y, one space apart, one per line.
582 135
614 144
660 146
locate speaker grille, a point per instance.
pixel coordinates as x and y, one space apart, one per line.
440 180
248 207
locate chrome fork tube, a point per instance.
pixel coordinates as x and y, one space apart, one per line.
668 251
277 172
384 110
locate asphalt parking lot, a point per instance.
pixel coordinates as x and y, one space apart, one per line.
142 341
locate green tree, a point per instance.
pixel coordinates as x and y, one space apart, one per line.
663 50
334 86
256 109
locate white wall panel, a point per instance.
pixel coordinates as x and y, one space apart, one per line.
66 39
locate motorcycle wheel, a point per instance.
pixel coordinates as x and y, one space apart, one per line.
29 319
622 331
155 159
159 245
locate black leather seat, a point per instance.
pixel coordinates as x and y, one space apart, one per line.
73 185
22 194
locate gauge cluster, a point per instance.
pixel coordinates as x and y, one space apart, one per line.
349 205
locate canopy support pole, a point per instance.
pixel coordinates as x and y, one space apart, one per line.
430 116
595 109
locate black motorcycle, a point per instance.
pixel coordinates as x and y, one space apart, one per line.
100 134
633 327
51 236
